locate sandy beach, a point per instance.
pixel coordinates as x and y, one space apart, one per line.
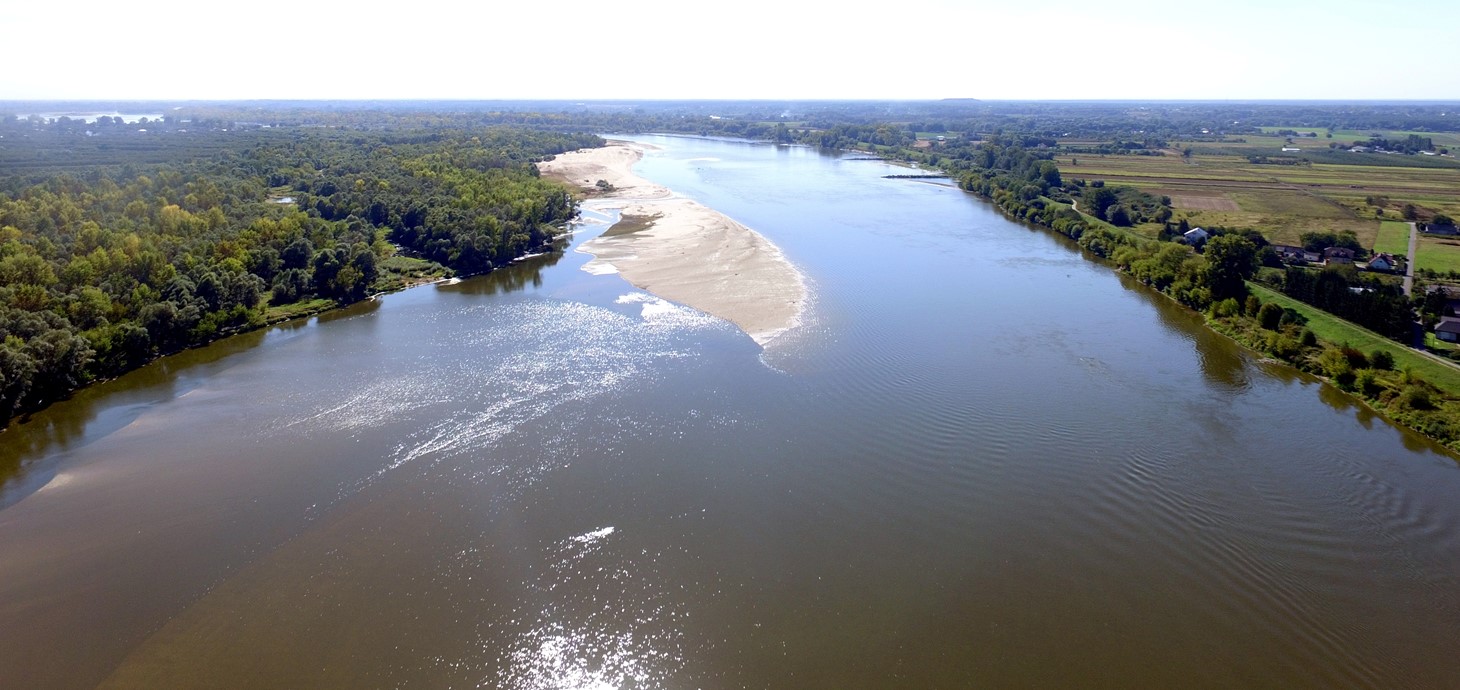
684 251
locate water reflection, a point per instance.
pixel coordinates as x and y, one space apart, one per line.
526 273
32 446
602 623
1336 399
357 309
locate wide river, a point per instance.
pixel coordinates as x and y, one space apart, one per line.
983 461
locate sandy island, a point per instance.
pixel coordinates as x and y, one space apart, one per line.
681 250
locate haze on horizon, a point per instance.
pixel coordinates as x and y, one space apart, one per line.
757 49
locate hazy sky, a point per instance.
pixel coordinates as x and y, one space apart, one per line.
577 49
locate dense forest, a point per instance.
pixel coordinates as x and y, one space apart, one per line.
118 245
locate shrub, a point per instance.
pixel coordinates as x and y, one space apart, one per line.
1381 359
1356 359
1252 306
1270 316
1226 308
1283 346
1416 397
1334 363
1367 383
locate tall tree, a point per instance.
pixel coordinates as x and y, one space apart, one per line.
1231 260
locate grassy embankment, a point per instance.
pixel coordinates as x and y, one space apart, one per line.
1335 330
1415 390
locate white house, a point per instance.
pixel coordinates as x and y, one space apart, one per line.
1383 262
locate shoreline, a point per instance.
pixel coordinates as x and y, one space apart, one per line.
681 250
1400 419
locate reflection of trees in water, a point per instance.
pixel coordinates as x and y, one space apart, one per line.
1223 362
31 446
514 278
353 310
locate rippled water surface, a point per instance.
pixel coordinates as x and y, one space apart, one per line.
982 462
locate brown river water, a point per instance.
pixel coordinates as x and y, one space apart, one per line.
983 461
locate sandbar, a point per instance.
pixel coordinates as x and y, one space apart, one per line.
681 250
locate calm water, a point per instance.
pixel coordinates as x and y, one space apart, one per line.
983 462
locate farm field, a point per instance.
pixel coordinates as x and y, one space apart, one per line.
1349 136
1282 201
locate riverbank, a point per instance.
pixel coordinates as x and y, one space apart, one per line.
682 250
1406 387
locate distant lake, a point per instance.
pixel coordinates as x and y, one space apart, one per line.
984 461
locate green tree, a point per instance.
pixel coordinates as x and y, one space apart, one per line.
1118 215
1096 200
1231 260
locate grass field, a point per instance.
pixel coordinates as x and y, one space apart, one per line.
400 272
1219 185
1346 136
284 312
1393 237
1438 253
1336 330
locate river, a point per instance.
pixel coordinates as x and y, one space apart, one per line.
983 461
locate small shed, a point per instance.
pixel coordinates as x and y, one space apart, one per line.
1195 236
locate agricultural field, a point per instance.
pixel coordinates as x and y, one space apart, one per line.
1393 237
1219 185
1349 136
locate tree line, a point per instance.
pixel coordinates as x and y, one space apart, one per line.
104 267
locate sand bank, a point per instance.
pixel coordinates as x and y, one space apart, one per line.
682 250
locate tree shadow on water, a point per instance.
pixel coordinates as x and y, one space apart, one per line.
33 447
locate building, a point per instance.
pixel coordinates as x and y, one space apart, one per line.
1338 255
1383 262
1448 329
1195 236
1295 255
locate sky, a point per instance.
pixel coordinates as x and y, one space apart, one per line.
762 49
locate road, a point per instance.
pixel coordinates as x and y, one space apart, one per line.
1409 260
